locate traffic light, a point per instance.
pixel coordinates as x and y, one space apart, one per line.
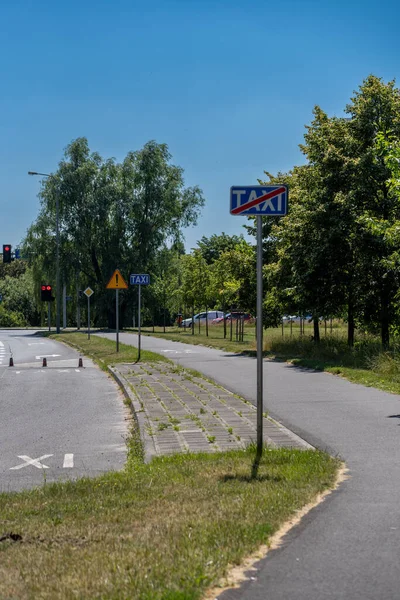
6 253
45 292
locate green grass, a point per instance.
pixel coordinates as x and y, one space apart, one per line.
165 530
365 363
103 350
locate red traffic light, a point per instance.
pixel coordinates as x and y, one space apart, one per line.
7 258
45 292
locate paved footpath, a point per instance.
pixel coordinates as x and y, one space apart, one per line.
348 548
178 412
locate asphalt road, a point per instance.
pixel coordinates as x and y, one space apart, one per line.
349 546
58 422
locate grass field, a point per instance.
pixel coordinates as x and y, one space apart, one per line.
165 530
103 351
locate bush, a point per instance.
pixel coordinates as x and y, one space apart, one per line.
10 318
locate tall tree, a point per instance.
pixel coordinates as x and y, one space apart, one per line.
112 215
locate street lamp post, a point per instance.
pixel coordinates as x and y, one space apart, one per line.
58 308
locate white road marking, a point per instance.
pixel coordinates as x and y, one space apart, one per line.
68 461
47 356
77 371
35 462
37 344
17 372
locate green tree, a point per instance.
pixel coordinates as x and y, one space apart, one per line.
112 215
211 248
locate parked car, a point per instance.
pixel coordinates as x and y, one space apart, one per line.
297 318
202 317
234 315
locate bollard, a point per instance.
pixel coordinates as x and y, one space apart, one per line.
80 362
44 362
11 363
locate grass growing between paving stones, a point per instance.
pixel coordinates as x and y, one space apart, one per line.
103 351
165 530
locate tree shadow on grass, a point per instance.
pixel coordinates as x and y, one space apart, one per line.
254 475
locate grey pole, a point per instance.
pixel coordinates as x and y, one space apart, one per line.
88 318
78 308
139 319
57 267
49 314
64 305
259 326
116 315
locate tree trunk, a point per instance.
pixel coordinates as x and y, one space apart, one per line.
316 330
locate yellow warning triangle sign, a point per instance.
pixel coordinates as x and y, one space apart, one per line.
117 282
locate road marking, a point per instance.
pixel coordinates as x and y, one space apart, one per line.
68 461
37 344
47 356
35 462
77 371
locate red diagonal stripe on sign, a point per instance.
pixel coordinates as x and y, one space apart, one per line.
256 201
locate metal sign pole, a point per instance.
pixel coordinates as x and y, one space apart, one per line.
88 318
259 338
49 314
116 315
139 318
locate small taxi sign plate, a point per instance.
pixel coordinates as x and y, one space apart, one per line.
117 282
88 292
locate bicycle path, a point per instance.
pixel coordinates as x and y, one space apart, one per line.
349 546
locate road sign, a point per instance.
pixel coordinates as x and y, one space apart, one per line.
88 292
139 279
117 282
271 200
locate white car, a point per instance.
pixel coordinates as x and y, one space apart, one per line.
201 317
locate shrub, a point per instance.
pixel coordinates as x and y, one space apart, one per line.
9 318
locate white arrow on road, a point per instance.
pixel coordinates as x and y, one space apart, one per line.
47 356
35 462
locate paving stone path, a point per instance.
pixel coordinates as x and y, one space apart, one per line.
180 412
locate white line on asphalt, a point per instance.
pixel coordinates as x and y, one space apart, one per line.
47 356
77 371
37 344
68 461
35 462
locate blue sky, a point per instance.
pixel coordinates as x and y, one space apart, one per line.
228 85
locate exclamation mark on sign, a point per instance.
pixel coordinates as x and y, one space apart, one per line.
116 279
